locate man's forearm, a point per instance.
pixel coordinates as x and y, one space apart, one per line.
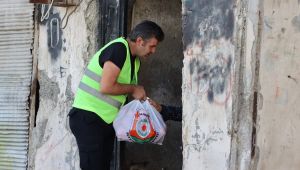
118 89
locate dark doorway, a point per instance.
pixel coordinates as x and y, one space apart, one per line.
161 74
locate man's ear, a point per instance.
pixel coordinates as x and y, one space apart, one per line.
139 41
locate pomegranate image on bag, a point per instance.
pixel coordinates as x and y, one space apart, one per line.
142 130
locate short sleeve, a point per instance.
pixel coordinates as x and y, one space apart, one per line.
115 53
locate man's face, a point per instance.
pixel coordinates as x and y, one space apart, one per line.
146 47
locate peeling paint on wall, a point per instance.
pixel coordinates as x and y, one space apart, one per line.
49 89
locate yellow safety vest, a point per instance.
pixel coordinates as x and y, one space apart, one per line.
88 96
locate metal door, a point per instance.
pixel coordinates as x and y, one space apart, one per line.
16 37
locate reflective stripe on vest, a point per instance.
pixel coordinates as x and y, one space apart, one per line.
96 93
88 96
92 75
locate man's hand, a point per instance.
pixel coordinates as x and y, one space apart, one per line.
139 93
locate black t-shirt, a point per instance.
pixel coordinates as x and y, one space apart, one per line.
116 53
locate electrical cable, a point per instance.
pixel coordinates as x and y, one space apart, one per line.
46 15
68 15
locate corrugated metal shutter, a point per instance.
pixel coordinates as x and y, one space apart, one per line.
16 37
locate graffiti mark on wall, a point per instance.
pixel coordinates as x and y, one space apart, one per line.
208 30
54 36
62 71
211 72
201 140
215 77
54 31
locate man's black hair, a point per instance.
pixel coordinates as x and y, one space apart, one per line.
146 30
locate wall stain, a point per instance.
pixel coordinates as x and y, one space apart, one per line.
213 20
292 78
213 78
296 22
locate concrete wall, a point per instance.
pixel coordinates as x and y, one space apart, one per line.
279 116
161 76
240 84
207 89
62 55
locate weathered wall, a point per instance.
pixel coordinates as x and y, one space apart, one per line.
239 87
279 116
240 84
207 89
62 55
161 76
247 47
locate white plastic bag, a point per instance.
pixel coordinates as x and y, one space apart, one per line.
139 122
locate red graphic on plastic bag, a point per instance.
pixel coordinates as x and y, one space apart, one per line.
142 130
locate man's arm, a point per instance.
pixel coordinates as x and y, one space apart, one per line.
109 84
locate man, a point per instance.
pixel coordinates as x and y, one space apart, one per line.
109 77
